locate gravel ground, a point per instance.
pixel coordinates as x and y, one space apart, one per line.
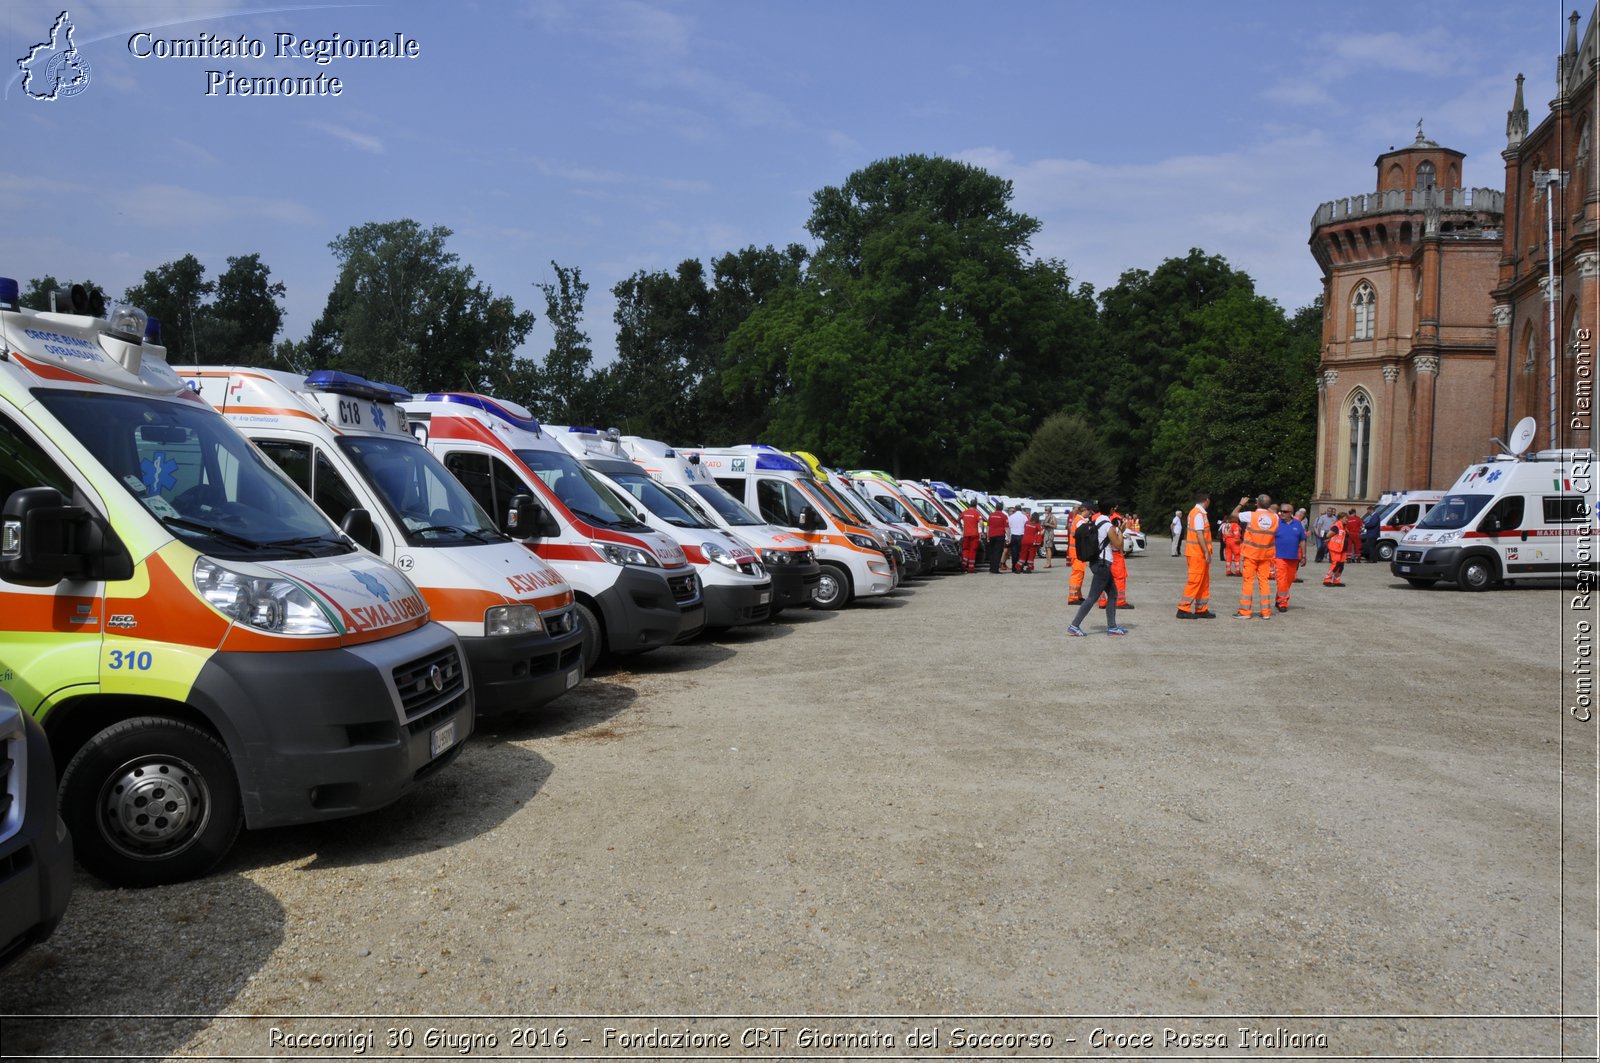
934 806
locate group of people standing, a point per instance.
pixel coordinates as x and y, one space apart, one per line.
1010 540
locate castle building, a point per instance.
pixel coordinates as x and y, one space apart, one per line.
1437 301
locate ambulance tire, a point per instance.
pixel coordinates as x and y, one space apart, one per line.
593 636
1476 573
833 591
1385 551
114 781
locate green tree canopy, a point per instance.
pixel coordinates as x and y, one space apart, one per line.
177 294
1065 459
921 339
405 310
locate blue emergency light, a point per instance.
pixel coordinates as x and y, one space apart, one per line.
10 294
334 382
487 405
774 460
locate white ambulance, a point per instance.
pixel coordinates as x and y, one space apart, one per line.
202 646
1507 518
781 489
910 502
343 440
787 558
635 588
737 588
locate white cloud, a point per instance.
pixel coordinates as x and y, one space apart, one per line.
363 141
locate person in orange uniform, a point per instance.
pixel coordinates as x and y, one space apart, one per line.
1231 548
970 519
998 527
1119 567
1080 566
1338 550
1260 528
1196 601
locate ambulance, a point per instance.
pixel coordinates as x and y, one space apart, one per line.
635 589
1381 533
1506 518
781 489
35 848
343 440
911 547
911 504
737 588
203 647
787 558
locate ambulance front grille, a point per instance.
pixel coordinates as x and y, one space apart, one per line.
423 689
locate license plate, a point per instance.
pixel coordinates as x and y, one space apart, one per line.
443 737
766 596
1404 568
573 677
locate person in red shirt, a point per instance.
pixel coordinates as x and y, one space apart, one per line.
1032 533
970 519
998 529
1352 533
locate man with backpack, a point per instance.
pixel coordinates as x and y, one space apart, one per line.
1094 541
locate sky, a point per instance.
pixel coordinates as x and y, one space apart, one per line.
616 136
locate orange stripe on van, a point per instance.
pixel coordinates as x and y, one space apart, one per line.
49 372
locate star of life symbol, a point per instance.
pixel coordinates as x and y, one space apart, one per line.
54 69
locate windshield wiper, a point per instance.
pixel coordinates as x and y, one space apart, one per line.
466 533
305 541
212 530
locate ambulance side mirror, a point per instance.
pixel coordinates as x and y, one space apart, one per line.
357 524
810 521
527 519
44 540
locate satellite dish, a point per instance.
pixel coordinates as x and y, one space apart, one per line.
1522 435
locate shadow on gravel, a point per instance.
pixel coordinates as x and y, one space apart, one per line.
684 657
187 955
871 604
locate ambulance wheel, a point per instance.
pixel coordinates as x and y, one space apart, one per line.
1475 574
151 801
593 634
1386 551
833 591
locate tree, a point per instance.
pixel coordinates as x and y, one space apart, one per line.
1066 458
920 339
244 318
176 293
404 310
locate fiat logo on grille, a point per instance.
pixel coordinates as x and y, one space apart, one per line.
436 678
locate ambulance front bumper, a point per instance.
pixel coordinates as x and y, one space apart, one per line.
794 585
728 605
511 673
321 734
1413 562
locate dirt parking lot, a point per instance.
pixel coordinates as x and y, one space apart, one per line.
1365 827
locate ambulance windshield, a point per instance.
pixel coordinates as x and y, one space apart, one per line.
584 496
196 475
420 493
653 497
1453 512
726 506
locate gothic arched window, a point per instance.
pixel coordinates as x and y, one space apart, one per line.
1365 304
1426 178
1360 421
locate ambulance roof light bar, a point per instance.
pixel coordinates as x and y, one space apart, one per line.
334 382
510 412
10 294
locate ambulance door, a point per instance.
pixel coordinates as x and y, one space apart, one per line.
50 637
1564 518
1507 530
779 502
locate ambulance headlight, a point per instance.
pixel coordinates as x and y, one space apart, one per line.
127 322
780 557
719 555
512 620
864 542
618 554
271 604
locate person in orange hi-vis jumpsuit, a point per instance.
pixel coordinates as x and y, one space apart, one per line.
1338 550
1234 566
1260 527
1196 534
1119 568
1080 566
970 518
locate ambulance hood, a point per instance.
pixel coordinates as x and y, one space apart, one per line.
366 593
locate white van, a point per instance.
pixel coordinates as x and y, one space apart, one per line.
737 588
1381 533
788 559
781 489
1504 519
635 588
343 440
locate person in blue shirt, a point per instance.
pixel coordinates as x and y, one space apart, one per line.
1289 547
